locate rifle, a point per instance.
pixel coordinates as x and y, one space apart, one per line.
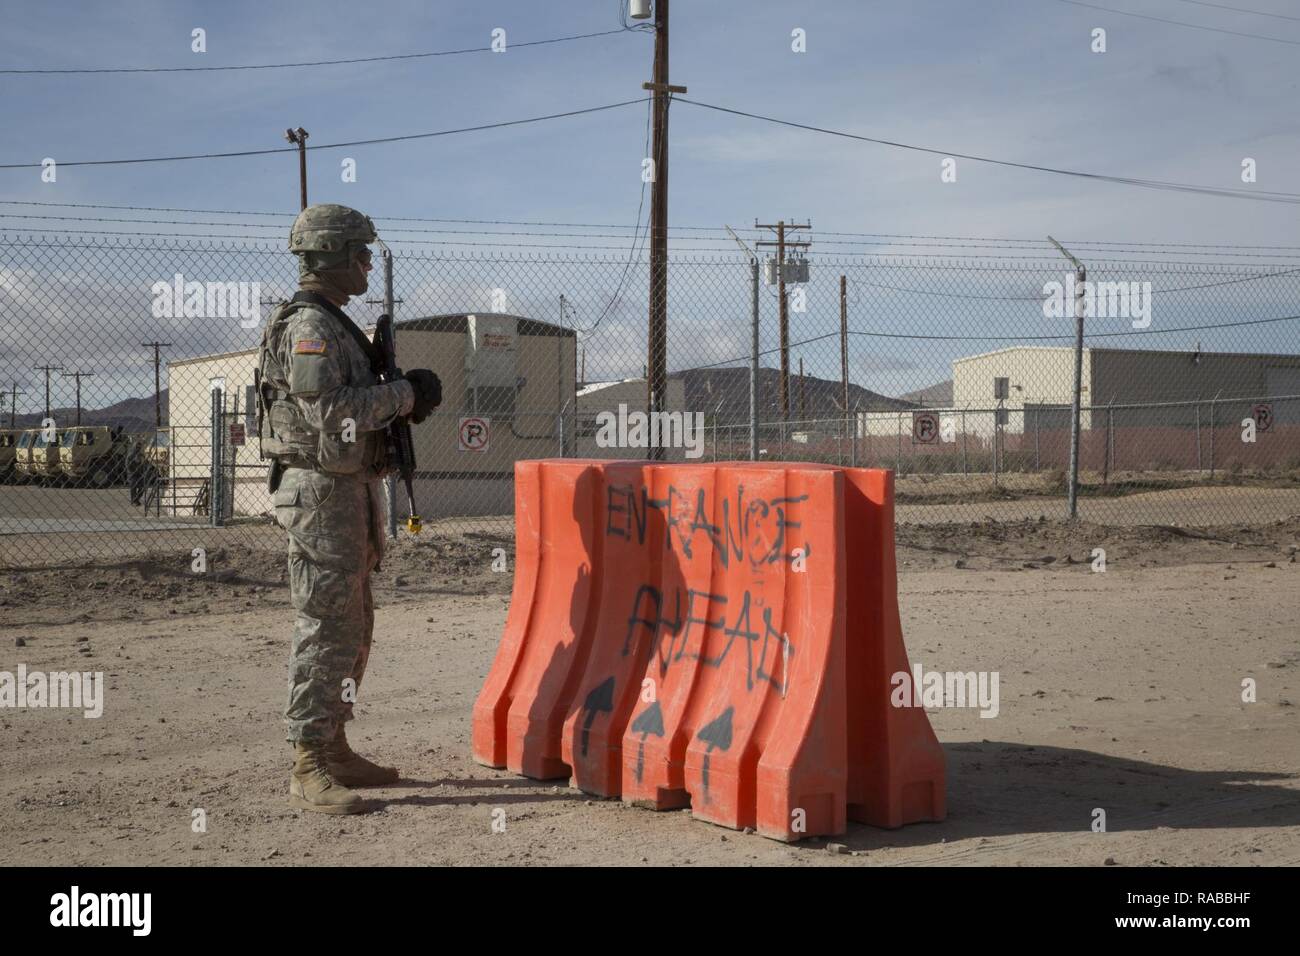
401 449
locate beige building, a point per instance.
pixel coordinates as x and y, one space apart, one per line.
1144 387
1168 385
508 393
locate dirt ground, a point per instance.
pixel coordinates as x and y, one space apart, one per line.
1119 690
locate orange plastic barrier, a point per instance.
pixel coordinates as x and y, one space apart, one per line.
717 635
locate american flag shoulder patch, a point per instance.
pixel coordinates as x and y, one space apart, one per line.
309 347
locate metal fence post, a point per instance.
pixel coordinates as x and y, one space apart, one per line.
1038 430
1212 401
753 359
1198 436
1076 400
1110 428
1106 450
853 460
391 481
997 433
216 471
965 463
898 462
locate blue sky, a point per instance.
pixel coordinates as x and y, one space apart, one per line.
1008 78
1013 79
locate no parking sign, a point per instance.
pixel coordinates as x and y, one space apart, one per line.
925 427
472 434
1263 415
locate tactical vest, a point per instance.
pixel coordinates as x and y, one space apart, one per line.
283 432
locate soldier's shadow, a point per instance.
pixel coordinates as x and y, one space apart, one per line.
997 788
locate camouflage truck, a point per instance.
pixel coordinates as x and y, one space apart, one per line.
95 456
38 459
9 453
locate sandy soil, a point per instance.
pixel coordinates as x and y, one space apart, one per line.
1119 690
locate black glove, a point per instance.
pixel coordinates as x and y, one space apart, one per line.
428 393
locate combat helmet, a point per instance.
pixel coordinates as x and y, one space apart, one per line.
329 227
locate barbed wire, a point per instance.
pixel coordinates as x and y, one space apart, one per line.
719 231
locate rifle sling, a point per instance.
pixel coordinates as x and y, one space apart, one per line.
372 353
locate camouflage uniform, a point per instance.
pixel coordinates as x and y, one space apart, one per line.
325 417
335 521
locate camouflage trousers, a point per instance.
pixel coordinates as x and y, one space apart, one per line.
336 538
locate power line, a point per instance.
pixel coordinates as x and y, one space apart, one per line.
400 229
1073 242
637 240
1005 338
246 212
290 66
1090 335
1038 298
358 142
1180 23
1224 6
1223 192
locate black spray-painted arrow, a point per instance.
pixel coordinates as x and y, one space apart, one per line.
600 700
716 733
650 721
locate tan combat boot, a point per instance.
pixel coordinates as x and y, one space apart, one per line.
310 786
351 769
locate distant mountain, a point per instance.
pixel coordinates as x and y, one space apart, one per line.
133 414
932 396
727 391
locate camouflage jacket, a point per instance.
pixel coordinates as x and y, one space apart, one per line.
321 405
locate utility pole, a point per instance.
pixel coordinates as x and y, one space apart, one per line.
1080 306
299 138
14 392
657 332
781 245
47 369
157 379
78 376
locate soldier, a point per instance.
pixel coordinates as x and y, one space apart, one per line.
322 420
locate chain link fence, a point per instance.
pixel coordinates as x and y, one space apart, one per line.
956 372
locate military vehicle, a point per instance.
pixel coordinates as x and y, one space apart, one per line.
23 454
95 456
8 453
42 457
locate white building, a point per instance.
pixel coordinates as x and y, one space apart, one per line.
508 393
